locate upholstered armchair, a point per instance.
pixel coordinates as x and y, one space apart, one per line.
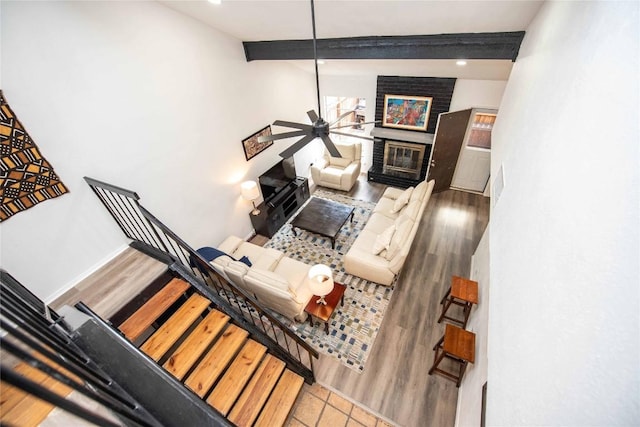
339 173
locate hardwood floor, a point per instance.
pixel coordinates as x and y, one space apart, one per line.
395 382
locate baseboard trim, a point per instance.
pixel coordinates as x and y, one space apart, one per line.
70 285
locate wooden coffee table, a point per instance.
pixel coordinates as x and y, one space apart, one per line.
323 217
324 312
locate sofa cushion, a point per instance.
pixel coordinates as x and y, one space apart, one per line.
332 175
402 200
419 191
341 162
269 278
238 267
403 229
378 223
383 240
412 209
385 206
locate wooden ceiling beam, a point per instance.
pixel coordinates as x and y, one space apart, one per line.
502 45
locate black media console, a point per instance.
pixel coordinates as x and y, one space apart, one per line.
280 207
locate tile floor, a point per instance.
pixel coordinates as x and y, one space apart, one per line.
319 407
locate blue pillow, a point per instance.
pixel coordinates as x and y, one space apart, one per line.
212 253
245 260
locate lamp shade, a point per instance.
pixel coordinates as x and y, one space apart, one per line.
320 280
250 190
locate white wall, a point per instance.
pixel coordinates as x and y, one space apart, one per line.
140 96
564 310
477 94
469 407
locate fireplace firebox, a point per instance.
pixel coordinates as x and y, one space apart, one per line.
400 157
403 159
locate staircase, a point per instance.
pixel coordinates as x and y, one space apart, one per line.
213 357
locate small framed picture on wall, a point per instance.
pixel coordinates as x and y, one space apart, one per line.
252 147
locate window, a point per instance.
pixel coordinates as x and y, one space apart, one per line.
481 127
335 106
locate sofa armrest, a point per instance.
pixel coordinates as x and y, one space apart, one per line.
316 168
350 173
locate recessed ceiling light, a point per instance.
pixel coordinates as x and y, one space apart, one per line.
461 62
215 1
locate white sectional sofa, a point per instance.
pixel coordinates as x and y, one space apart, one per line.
380 250
277 281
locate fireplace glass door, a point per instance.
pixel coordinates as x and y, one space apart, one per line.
403 159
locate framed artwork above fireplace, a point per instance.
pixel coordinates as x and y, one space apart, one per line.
406 112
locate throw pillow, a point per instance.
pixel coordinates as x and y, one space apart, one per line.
245 260
383 239
402 200
403 229
210 253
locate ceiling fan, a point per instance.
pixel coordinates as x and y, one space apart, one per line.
319 127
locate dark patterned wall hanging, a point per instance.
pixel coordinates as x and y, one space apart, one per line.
26 178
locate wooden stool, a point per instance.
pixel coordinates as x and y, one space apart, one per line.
457 345
464 293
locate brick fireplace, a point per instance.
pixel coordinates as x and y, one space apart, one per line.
401 157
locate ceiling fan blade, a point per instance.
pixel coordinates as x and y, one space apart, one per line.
297 146
356 124
330 146
368 138
341 116
313 116
292 125
282 135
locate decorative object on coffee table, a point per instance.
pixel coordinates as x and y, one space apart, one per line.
320 282
323 312
250 192
323 217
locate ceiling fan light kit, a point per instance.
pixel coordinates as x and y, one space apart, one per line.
319 127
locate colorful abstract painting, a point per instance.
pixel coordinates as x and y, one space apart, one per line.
406 112
26 178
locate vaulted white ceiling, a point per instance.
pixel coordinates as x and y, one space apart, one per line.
291 19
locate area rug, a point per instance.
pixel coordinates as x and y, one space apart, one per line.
354 326
26 178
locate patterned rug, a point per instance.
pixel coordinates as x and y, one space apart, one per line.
354 326
26 178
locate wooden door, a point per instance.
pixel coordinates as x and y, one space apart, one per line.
450 133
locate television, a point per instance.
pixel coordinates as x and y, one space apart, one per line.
277 178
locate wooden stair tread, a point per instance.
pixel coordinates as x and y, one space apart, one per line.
167 335
190 350
281 401
233 381
250 403
22 409
140 321
216 360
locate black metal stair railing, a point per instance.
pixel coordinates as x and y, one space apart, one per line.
151 236
37 337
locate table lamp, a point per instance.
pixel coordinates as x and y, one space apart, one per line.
250 192
320 282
